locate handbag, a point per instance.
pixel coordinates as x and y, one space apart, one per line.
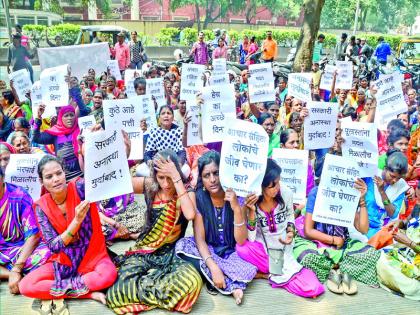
275 256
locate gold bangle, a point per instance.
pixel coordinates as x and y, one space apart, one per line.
183 194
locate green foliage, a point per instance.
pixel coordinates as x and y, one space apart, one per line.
208 35
372 39
163 39
233 35
190 36
172 32
68 32
330 40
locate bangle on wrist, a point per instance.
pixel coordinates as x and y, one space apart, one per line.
182 195
70 234
205 259
176 181
332 241
386 202
238 224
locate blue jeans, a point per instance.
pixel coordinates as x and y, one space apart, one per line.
136 65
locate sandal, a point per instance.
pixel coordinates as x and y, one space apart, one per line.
334 282
42 307
211 289
349 285
59 307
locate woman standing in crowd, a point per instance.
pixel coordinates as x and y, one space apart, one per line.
79 266
22 144
243 49
268 123
270 238
5 151
150 275
6 126
20 248
218 226
253 48
221 50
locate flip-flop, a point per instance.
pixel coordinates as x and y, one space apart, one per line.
349 285
59 307
334 282
42 307
211 289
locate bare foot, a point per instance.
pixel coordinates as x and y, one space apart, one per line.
261 275
238 294
99 296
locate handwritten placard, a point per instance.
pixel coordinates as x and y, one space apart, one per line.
344 75
389 98
22 171
294 171
193 135
21 82
299 86
86 123
122 114
337 199
55 91
219 65
261 83
106 168
114 69
155 88
129 76
319 126
218 109
243 158
136 137
361 145
327 77
219 79
191 81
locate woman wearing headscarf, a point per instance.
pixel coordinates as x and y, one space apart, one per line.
6 126
64 137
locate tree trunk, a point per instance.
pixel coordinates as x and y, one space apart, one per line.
363 19
197 16
312 15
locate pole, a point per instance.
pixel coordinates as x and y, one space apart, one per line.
356 17
7 15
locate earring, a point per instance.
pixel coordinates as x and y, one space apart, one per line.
204 188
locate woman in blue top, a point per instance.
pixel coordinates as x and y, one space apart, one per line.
385 193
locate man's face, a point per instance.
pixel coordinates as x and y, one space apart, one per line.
201 37
269 35
134 36
362 42
58 41
343 39
121 39
411 96
315 67
16 42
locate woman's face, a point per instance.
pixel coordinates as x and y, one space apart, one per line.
401 144
404 119
165 183
268 126
110 83
296 106
175 89
368 104
210 178
273 190
338 139
343 95
274 111
69 119
361 96
296 123
221 42
97 100
292 142
166 118
261 108
87 96
91 72
4 159
53 177
182 106
353 92
364 83
390 177
168 87
21 145
82 85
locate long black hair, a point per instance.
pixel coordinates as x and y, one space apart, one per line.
272 173
206 209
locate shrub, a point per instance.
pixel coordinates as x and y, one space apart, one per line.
172 32
163 40
233 35
189 36
208 35
68 32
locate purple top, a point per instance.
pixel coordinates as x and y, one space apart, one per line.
201 55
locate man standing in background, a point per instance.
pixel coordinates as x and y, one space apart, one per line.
199 51
269 48
122 53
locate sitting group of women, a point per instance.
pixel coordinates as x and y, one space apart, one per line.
55 248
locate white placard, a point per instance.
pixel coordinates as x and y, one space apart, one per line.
327 77
55 90
337 199
148 108
344 78
22 83
129 76
219 79
114 68
193 135
36 94
217 110
122 114
244 157
191 81
294 171
261 83
79 57
361 145
219 65
22 171
299 86
136 137
106 168
85 123
319 126
155 88
389 98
